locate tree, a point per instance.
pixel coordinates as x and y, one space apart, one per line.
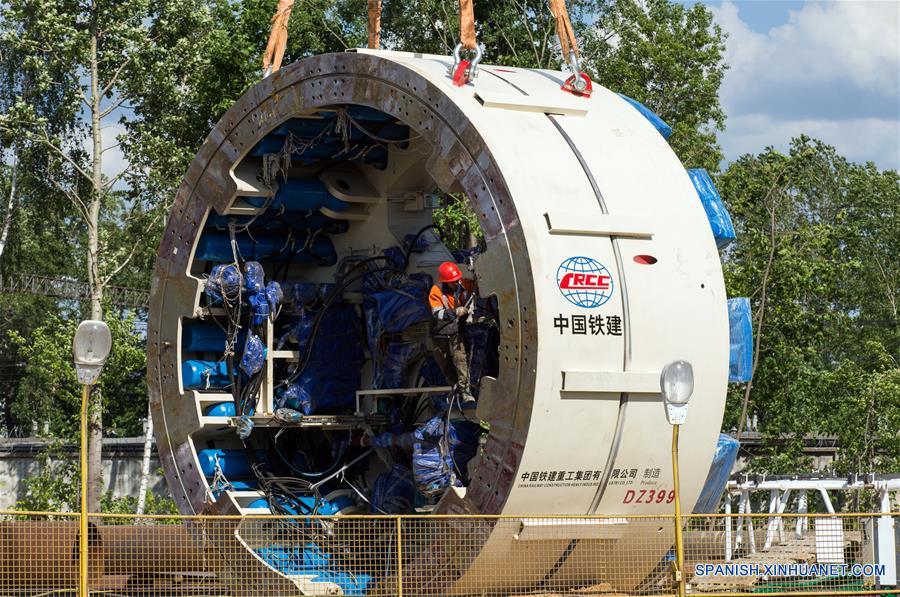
670 57
815 240
53 394
85 54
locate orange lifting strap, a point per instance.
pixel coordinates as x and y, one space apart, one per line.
374 28
564 28
277 38
466 24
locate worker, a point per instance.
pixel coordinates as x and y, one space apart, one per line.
448 301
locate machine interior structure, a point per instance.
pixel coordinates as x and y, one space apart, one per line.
295 360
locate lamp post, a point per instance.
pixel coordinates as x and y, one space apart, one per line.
90 348
677 384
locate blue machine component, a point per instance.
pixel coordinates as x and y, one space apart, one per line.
327 507
658 123
195 374
317 139
216 246
300 194
222 409
310 560
719 220
202 337
723 461
283 222
740 326
233 463
254 356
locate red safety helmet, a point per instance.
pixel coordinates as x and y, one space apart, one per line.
449 272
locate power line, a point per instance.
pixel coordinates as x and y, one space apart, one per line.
70 288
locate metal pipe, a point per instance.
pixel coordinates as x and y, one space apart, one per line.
83 519
679 544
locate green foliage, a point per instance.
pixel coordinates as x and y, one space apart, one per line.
154 505
816 248
458 223
55 487
670 57
51 392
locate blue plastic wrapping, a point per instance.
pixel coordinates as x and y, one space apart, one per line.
394 492
393 363
224 281
243 426
422 243
433 377
719 220
259 307
332 374
723 461
740 326
304 294
440 454
394 440
396 257
658 123
201 375
317 392
254 277
274 295
254 356
393 310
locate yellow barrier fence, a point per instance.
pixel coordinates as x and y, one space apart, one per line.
814 554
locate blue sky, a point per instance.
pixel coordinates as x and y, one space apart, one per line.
828 69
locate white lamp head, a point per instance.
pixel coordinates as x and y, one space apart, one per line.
677 384
90 349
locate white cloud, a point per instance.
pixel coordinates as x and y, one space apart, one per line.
832 71
857 139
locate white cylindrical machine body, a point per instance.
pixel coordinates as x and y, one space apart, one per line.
605 270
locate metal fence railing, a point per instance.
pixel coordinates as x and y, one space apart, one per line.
812 554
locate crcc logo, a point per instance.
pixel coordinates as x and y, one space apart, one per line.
584 282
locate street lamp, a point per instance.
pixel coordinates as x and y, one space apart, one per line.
90 348
677 384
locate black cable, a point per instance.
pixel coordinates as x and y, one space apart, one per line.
412 245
